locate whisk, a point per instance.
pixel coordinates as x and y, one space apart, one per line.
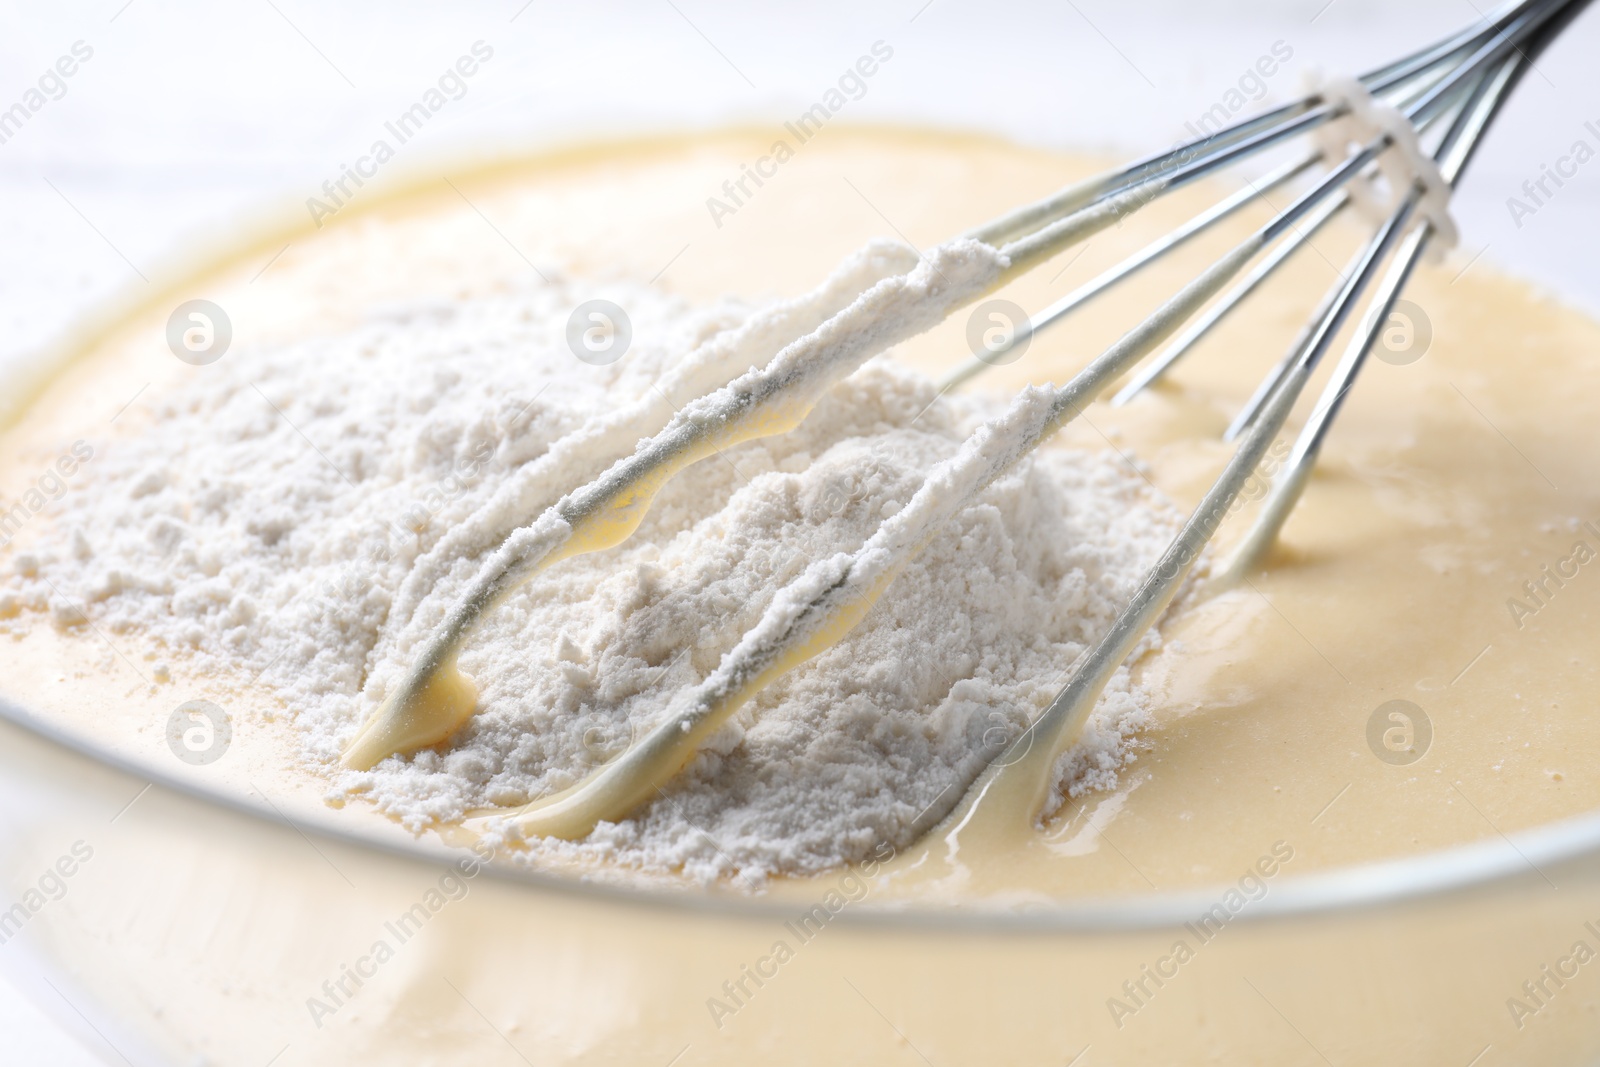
1366 135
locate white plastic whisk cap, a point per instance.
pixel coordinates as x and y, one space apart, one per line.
1403 164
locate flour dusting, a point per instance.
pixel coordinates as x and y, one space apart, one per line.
297 515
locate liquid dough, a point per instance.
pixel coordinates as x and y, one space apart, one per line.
1441 556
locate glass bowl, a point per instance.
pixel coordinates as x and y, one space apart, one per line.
168 921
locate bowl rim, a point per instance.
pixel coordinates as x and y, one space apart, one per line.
1524 856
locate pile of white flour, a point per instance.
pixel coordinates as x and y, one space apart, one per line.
261 519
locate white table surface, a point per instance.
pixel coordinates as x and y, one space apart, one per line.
190 114
33 1038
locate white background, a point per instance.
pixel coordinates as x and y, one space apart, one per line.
192 116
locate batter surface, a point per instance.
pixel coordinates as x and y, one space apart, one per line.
1439 558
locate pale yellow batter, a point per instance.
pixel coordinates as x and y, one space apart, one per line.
1448 483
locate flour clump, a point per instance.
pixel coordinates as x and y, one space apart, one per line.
295 517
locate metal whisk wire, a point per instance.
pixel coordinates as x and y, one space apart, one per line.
1456 85
1019 778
